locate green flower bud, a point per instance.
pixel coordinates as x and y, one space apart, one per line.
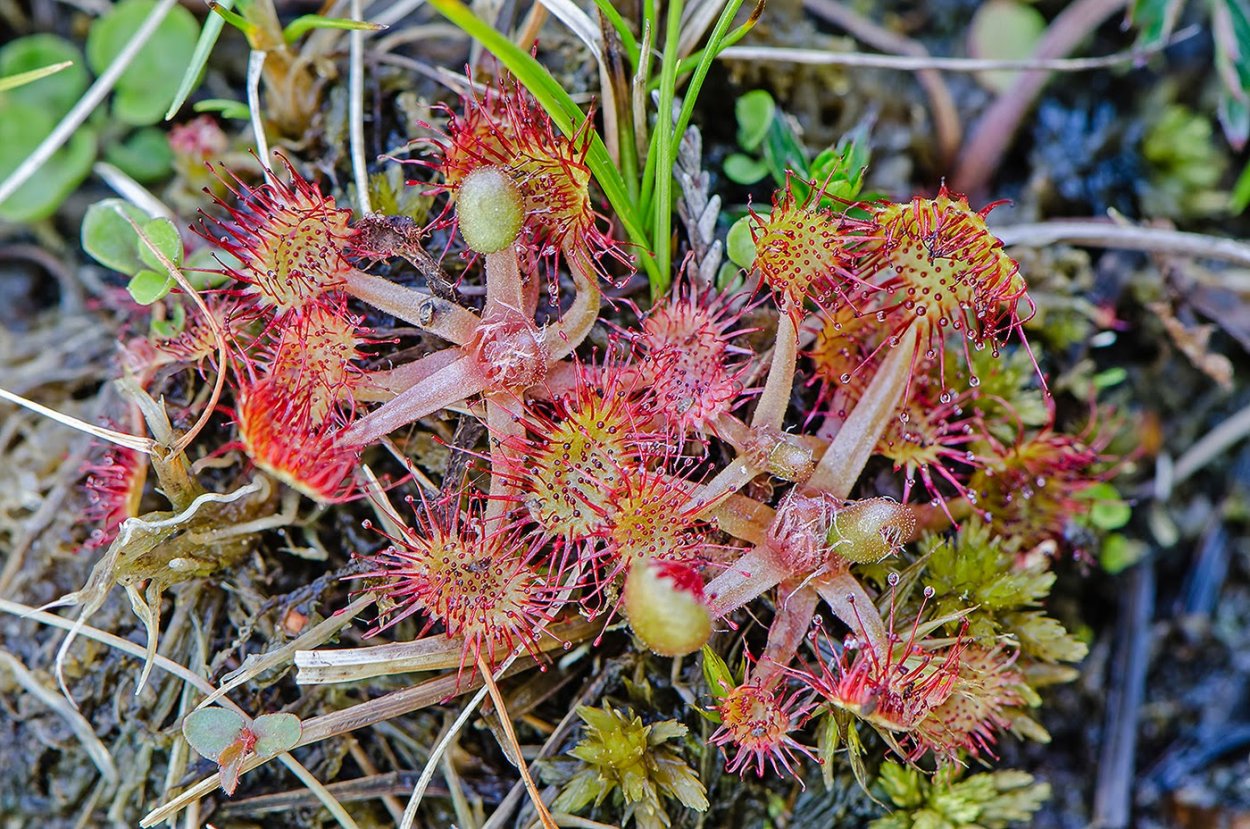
869 530
490 210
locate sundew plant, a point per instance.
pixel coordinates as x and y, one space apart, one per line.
484 397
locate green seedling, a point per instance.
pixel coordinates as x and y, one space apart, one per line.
224 737
110 239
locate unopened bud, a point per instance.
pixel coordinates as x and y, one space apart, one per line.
868 531
490 210
666 608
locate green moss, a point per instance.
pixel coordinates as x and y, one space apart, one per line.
950 801
978 570
624 759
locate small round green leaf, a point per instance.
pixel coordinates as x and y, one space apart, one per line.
276 733
234 110
1119 553
742 169
204 268
22 127
1004 30
145 155
162 233
210 730
1107 511
148 85
172 326
109 238
147 286
755 112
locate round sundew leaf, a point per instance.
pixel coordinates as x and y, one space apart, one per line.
109 238
164 234
55 93
755 112
276 733
210 731
146 88
147 286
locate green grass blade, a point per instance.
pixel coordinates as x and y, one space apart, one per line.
689 64
199 58
661 205
23 78
304 24
713 48
562 110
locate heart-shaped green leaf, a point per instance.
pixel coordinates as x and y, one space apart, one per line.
109 238
276 733
164 234
211 730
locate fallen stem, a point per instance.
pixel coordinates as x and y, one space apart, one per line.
1102 233
145 445
506 721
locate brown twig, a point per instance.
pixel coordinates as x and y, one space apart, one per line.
946 123
1103 234
514 748
991 137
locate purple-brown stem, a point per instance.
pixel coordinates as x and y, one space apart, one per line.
384 385
770 412
429 313
756 571
796 607
450 384
851 603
